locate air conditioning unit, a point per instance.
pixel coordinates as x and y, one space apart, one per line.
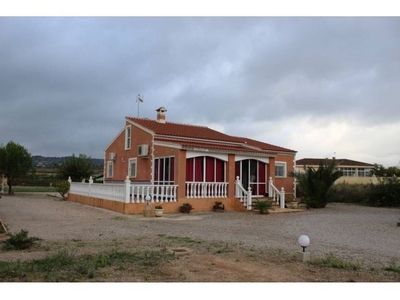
113 156
143 150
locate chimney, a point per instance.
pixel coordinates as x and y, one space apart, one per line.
161 114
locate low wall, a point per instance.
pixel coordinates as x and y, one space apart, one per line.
199 204
357 180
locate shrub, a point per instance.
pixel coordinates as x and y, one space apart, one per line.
384 194
62 187
20 241
186 208
262 206
315 184
218 205
350 193
158 207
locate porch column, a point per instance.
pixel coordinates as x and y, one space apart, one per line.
230 178
181 174
271 173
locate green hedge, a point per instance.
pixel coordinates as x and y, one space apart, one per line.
386 193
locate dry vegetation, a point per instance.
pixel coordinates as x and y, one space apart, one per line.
165 258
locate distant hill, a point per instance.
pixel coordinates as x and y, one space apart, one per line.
52 162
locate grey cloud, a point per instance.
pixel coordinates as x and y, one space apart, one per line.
75 79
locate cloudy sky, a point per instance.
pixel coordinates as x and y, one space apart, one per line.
323 86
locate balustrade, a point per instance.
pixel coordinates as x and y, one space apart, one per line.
128 192
206 189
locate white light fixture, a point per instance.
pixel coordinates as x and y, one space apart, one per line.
304 241
147 208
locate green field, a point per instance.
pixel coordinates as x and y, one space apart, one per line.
31 189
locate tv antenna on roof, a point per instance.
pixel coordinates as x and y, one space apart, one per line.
138 100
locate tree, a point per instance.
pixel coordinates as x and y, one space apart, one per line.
381 171
315 185
78 168
15 162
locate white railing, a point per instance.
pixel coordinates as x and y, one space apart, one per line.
277 195
244 196
157 193
206 189
127 192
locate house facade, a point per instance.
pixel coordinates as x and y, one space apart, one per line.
195 164
353 171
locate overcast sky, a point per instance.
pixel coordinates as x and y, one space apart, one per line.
320 86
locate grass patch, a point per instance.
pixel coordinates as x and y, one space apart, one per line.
334 262
66 267
31 189
20 241
186 240
393 267
224 249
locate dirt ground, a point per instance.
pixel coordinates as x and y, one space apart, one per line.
198 258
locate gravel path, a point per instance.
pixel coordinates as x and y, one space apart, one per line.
348 231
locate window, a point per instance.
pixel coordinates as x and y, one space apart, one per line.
128 138
132 167
348 171
164 170
110 169
364 172
205 169
280 169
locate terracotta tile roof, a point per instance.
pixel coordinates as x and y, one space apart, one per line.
218 146
266 146
169 129
338 161
181 130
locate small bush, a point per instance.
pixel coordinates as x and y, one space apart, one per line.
186 208
62 187
262 206
20 241
218 205
384 194
350 193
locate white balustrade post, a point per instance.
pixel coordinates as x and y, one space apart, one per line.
90 186
69 181
237 186
127 189
282 197
270 190
249 199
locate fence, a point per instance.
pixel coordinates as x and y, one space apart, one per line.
127 192
206 189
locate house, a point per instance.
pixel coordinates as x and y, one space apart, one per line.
176 163
353 171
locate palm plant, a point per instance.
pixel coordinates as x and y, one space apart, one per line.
316 185
262 206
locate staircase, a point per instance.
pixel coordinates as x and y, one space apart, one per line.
268 199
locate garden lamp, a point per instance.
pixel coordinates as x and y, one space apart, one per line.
147 209
304 241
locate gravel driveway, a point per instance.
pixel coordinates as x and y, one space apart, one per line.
348 231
